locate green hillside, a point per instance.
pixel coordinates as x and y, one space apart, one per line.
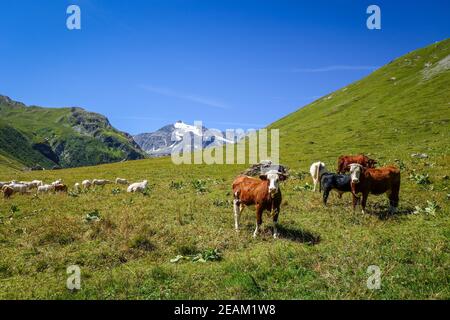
65 137
322 253
400 109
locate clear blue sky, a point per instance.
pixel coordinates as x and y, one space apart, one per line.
231 64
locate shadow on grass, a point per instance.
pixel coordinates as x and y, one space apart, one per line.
288 233
382 211
298 235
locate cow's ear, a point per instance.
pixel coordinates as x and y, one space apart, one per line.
282 177
263 177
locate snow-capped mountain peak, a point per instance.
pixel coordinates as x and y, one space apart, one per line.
166 139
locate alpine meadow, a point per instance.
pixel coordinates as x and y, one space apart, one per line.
176 240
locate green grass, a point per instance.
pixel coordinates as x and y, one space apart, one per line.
323 253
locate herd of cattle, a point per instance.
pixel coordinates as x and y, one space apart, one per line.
24 187
363 179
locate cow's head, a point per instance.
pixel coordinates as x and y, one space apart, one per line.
355 172
274 177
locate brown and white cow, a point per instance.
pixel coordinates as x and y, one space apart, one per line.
264 193
345 161
375 181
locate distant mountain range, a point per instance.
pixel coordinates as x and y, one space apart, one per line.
35 137
163 141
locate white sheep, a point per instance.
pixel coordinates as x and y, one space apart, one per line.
121 181
59 181
97 182
33 184
77 187
138 187
27 183
46 188
19 187
37 183
86 184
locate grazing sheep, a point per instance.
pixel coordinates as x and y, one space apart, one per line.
7 191
77 187
138 187
121 181
86 184
45 188
61 188
33 184
19 187
59 181
97 182
27 183
37 183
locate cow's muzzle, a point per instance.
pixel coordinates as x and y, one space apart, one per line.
355 180
273 191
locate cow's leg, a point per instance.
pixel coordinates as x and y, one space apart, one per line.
259 212
354 202
393 201
275 223
237 213
315 185
326 193
364 202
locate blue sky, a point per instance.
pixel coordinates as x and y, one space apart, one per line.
229 63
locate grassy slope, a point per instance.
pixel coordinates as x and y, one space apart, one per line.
16 145
323 253
37 124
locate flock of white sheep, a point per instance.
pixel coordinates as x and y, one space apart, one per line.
24 187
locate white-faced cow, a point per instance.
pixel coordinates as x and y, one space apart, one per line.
375 181
264 193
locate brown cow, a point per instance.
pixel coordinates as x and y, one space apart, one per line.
265 194
7 192
375 181
61 188
345 161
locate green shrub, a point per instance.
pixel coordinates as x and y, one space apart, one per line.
306 187
199 185
176 185
421 179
